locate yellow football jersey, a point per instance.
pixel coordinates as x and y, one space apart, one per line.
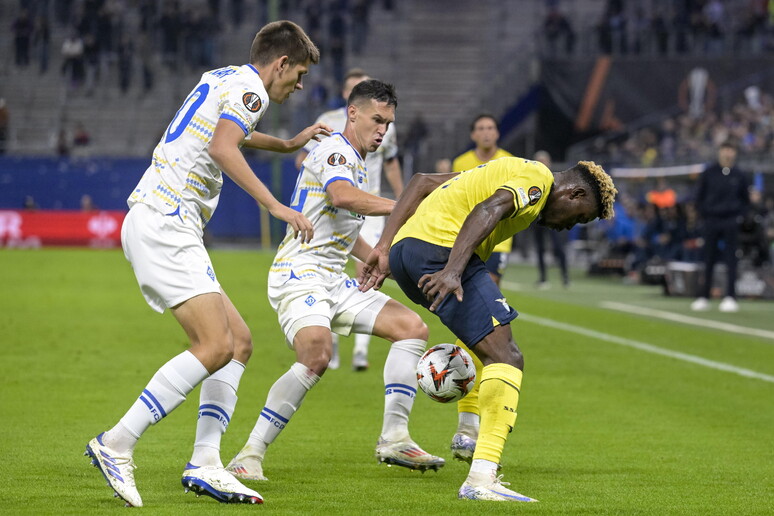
439 217
469 160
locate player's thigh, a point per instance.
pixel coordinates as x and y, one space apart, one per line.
397 322
483 307
301 304
355 311
169 261
205 320
410 259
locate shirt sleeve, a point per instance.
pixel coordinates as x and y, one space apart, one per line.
338 166
525 196
244 105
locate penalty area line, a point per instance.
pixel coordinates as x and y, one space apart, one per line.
648 348
685 319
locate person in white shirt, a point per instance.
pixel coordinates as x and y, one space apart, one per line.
162 239
312 294
384 159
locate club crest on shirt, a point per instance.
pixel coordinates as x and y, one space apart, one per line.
252 101
337 159
535 194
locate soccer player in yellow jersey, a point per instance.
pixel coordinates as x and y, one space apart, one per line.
485 134
441 231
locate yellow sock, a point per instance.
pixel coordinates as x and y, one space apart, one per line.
498 399
470 402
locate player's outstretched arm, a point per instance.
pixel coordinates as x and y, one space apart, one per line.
477 226
347 197
376 265
224 150
264 141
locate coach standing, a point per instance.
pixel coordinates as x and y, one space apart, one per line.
721 199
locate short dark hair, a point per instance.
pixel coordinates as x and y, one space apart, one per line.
376 90
354 73
729 144
482 116
283 38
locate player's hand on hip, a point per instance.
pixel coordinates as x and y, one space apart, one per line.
302 226
438 285
376 268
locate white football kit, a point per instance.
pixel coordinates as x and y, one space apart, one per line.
177 195
374 163
307 284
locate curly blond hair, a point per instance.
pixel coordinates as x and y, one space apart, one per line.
606 190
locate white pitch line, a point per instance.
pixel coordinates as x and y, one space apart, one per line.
649 348
705 323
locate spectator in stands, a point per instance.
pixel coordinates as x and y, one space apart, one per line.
41 38
557 243
753 241
62 143
4 123
72 66
125 58
81 137
558 33
22 33
485 134
722 200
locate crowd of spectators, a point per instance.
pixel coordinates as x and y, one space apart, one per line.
664 27
113 40
693 137
656 229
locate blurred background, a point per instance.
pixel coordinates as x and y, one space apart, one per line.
647 88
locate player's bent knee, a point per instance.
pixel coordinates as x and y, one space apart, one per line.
243 348
409 326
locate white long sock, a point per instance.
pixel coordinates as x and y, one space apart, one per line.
400 386
164 393
361 343
467 423
284 399
216 406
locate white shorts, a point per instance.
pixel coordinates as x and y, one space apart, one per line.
169 260
335 303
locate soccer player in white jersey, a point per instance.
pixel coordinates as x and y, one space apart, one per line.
162 238
385 158
312 294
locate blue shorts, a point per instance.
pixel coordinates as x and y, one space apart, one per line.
483 306
496 264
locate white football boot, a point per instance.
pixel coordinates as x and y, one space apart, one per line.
118 471
729 305
217 483
482 486
408 454
462 447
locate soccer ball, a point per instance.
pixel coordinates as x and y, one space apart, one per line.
446 373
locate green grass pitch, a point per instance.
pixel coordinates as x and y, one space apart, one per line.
620 413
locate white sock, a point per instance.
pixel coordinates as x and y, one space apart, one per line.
483 467
400 387
361 343
216 406
284 399
467 423
163 394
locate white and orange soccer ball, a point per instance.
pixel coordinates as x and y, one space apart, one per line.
446 373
